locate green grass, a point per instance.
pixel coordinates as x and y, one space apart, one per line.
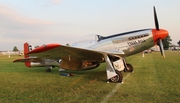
155 80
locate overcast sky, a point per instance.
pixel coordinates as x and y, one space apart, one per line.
61 21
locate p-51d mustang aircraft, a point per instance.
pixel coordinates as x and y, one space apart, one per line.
88 54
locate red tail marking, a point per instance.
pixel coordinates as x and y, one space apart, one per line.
26 50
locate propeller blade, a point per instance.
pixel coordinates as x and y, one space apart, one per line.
161 48
156 19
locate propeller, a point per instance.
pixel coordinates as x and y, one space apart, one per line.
161 48
159 43
156 19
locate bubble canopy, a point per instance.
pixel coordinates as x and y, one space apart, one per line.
86 40
89 37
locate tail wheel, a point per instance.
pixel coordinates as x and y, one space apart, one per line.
117 78
49 69
129 68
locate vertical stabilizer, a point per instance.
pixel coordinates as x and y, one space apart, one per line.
27 48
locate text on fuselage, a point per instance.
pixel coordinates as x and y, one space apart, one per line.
136 42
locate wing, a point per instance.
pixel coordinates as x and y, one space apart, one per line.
56 51
72 58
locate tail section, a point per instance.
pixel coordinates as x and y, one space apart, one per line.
30 61
27 48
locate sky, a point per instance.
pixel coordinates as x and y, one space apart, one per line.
62 21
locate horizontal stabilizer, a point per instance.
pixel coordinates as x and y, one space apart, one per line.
28 60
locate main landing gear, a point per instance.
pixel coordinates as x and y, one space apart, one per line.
114 68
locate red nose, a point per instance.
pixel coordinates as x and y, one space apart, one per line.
159 34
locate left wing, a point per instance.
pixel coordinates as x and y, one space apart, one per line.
57 51
72 58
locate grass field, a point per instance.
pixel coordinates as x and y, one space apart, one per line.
155 80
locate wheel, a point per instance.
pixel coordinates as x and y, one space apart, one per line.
117 78
48 70
129 68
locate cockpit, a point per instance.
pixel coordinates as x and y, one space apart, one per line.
87 40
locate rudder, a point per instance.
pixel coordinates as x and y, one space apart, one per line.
27 48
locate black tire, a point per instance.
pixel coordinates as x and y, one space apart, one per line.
48 70
117 78
129 68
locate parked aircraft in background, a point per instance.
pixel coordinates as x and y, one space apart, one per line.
89 53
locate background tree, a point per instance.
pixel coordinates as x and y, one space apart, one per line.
15 49
166 42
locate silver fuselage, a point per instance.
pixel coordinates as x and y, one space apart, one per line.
123 44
